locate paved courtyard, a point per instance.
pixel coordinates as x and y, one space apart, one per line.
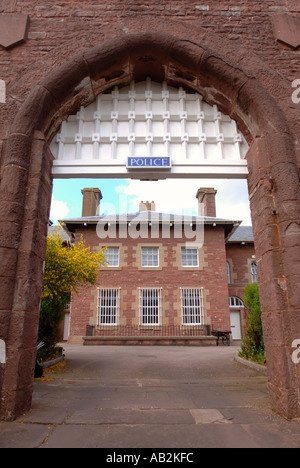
150 397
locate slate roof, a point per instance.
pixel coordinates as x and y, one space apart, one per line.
242 234
52 229
147 216
151 217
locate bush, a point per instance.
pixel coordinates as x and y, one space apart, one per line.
253 347
51 314
67 269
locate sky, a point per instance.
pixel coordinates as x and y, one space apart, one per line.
171 196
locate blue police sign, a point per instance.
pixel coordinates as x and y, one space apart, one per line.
149 163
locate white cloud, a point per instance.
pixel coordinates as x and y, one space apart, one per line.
179 196
59 210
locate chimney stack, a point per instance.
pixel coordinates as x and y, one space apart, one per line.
91 202
147 206
207 200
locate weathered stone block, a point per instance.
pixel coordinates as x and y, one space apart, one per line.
13 29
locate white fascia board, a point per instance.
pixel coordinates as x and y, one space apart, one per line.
76 169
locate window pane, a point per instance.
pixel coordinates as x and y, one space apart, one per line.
150 300
228 273
254 272
108 306
150 257
189 257
235 302
192 306
112 256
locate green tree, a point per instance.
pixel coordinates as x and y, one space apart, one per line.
253 347
68 268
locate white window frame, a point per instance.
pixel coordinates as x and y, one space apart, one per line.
185 257
235 302
149 255
254 272
150 306
113 256
108 306
192 306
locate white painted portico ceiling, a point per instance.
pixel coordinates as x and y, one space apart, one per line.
152 120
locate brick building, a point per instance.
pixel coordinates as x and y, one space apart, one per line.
172 278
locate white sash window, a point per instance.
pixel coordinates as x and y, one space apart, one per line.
150 257
112 256
189 257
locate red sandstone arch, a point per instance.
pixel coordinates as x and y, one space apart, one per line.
243 90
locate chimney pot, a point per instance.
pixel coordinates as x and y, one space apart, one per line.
147 206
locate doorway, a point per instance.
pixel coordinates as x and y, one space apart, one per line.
235 322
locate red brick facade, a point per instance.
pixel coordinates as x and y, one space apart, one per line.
228 51
129 276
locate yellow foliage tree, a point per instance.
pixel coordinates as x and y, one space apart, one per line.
68 267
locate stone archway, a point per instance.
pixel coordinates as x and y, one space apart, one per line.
26 184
